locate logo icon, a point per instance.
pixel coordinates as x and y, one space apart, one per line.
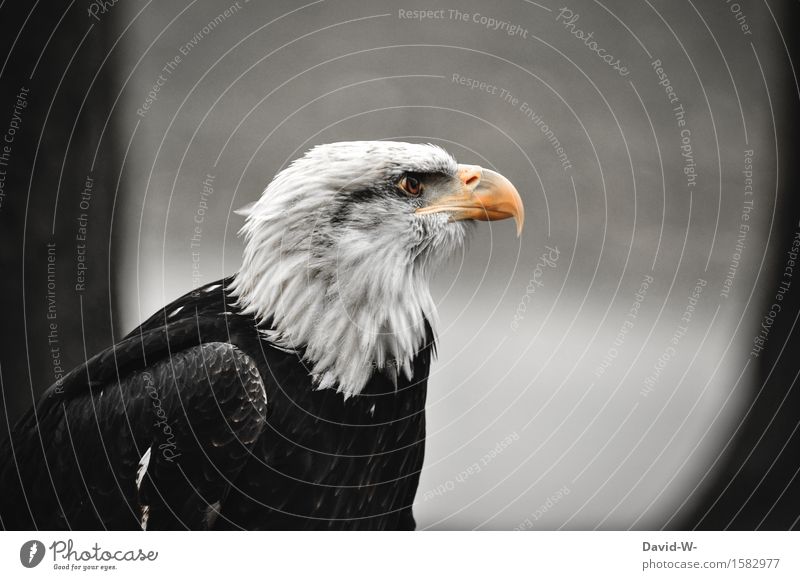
31 553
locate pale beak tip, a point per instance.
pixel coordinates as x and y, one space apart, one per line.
519 215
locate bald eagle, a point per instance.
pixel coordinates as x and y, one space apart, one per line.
290 395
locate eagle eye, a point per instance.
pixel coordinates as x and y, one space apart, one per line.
411 185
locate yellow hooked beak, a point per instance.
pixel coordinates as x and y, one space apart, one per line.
484 195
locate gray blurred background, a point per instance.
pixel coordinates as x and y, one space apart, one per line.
579 383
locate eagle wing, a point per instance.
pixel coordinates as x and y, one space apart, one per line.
151 432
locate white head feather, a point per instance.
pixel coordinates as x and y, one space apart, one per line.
337 263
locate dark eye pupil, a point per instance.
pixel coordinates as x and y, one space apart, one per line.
410 184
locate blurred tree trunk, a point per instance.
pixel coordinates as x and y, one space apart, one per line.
758 486
55 199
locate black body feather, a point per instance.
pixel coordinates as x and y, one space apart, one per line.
239 437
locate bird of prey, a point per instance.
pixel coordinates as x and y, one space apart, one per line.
290 395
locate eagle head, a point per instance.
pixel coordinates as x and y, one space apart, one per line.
340 247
